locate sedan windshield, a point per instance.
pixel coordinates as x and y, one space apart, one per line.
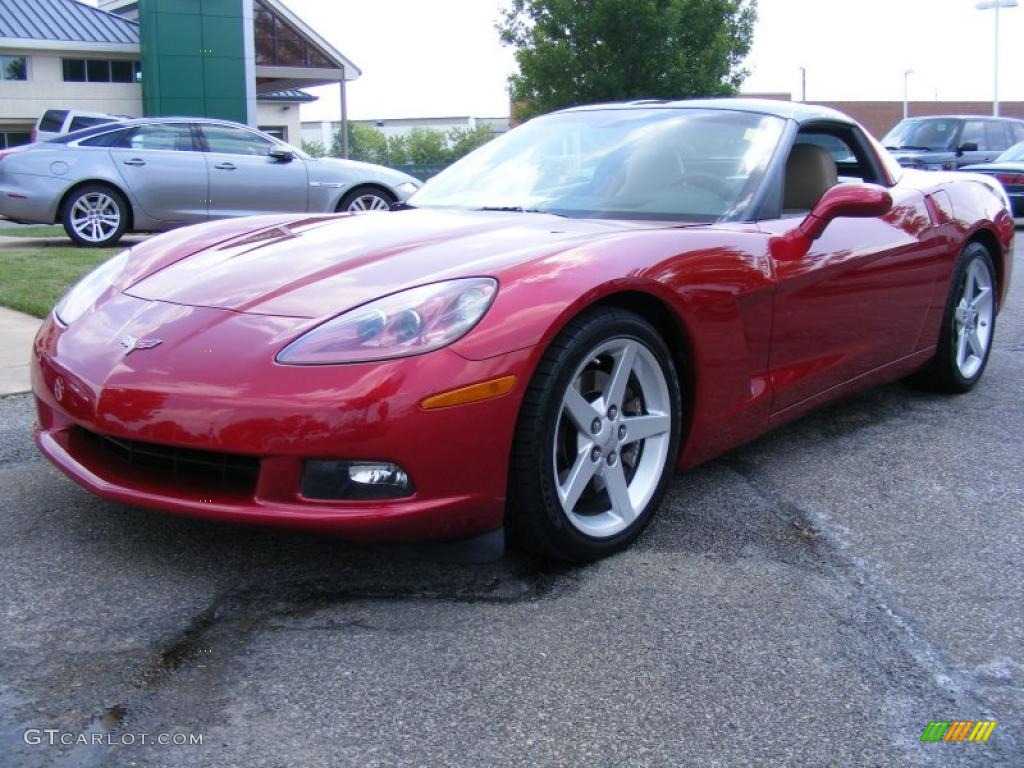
654 163
917 133
1014 154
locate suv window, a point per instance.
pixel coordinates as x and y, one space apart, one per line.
235 141
997 135
53 120
974 133
77 123
165 136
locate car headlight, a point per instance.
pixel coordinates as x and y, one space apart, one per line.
406 188
410 322
84 293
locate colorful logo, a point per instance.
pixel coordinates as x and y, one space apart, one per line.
958 730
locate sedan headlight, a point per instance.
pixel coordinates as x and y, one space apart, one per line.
410 322
85 292
406 188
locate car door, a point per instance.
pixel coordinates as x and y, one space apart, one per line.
859 298
245 180
164 173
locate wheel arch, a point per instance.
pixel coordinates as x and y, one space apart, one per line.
59 213
990 241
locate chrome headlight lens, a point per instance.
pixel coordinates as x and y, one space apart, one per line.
84 293
406 188
410 322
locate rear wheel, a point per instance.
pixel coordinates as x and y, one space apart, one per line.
597 438
366 199
95 215
968 325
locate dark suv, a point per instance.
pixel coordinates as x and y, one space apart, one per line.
947 142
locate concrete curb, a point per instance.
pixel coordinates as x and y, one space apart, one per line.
17 332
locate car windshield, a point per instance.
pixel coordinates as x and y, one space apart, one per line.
1014 154
935 134
654 163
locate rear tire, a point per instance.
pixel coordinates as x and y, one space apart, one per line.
95 216
597 438
968 326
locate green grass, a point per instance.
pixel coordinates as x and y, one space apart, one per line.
50 230
32 279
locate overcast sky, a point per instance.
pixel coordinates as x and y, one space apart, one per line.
442 57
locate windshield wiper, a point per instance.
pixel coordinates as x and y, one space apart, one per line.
515 209
910 147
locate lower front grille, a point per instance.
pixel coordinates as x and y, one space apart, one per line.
228 470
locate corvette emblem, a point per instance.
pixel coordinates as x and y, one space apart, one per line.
131 343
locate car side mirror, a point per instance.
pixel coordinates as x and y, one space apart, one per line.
967 146
844 200
280 154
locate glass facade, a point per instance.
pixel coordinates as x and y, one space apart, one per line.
279 44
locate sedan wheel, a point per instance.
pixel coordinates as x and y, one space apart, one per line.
366 199
95 216
605 402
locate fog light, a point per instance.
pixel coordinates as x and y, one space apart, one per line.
354 480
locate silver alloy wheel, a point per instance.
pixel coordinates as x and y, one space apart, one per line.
95 217
369 202
612 439
973 319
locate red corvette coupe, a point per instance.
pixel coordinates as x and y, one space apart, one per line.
536 340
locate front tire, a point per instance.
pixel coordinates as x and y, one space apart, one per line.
95 216
597 438
968 326
366 199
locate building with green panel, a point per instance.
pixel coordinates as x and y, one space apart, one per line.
242 60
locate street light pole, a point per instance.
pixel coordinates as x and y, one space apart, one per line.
995 5
803 83
906 99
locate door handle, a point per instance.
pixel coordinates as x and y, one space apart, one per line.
225 166
137 161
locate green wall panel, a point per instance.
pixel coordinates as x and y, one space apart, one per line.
193 58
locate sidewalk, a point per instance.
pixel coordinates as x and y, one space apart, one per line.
16 334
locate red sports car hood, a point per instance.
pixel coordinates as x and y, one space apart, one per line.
321 266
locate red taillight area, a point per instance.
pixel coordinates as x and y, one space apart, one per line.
1011 179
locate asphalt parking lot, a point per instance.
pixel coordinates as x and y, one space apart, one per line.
815 598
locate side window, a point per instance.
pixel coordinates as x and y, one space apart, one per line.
112 139
1018 132
226 140
849 156
77 123
996 135
53 120
165 136
974 133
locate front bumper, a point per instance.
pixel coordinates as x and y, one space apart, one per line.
179 395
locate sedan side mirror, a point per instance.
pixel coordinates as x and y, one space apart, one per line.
967 146
850 200
280 154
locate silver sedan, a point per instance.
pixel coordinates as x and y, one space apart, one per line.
153 174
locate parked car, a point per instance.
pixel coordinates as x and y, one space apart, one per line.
57 122
535 340
159 173
1008 168
949 142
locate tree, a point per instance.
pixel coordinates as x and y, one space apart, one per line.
462 141
314 148
571 52
427 146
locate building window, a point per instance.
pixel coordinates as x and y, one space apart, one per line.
279 44
13 68
102 71
10 139
277 131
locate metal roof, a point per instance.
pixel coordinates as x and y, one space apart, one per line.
65 21
291 94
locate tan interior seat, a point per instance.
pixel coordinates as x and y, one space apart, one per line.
810 172
651 170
